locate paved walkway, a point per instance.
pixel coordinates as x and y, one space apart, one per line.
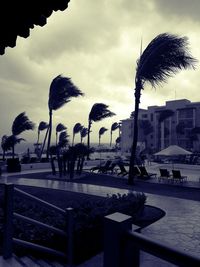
179 228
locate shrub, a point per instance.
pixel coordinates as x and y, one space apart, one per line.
88 218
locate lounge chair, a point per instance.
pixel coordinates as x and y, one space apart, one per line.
110 169
136 171
177 177
144 174
164 175
123 171
101 168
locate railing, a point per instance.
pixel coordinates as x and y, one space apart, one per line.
9 214
123 245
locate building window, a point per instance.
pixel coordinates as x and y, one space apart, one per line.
151 116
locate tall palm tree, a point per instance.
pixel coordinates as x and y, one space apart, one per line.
102 130
59 128
77 129
164 114
41 127
61 91
114 127
98 112
83 133
20 124
165 55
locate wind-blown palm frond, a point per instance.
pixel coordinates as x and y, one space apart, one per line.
102 130
60 92
63 139
100 111
84 132
21 124
3 142
12 140
165 55
77 128
114 126
60 127
42 126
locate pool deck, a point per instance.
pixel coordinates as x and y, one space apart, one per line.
180 228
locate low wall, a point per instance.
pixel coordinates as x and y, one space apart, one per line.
35 166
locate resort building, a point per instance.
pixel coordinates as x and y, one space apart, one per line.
178 122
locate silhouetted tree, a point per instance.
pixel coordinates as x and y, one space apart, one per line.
61 91
83 133
77 129
41 127
98 112
4 145
165 55
102 130
114 127
59 128
20 124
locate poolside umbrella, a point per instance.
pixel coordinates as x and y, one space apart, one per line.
173 150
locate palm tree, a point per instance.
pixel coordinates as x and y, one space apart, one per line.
165 55
114 127
3 145
102 130
164 114
20 124
61 91
77 129
98 112
41 127
11 142
59 128
83 133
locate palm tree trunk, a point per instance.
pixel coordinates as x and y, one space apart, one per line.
44 142
88 139
38 137
56 138
110 138
50 130
13 151
73 139
135 136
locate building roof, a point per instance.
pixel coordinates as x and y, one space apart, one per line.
18 17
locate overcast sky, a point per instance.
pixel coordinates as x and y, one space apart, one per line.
96 44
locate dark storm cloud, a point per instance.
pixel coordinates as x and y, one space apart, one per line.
180 8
